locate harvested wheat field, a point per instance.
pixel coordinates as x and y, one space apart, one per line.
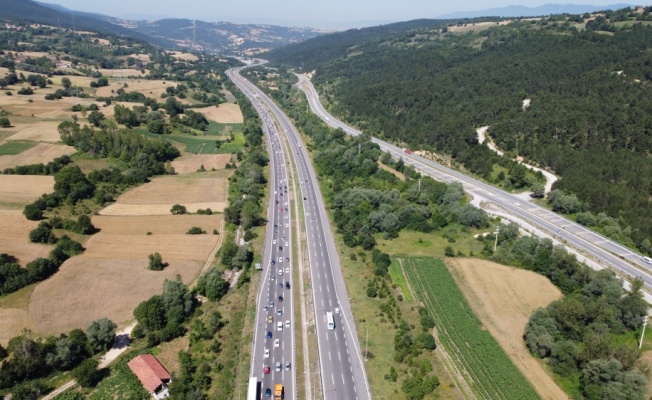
152 89
190 163
194 191
14 237
226 113
183 56
41 153
19 190
45 131
122 73
12 323
503 298
87 288
156 224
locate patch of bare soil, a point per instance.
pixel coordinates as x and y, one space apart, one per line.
503 298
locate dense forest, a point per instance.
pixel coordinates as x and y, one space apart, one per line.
588 79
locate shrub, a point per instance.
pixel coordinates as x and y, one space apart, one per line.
4 122
195 230
156 262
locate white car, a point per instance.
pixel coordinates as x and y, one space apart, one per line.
280 271
287 270
287 225
267 353
287 243
277 343
274 241
287 323
280 259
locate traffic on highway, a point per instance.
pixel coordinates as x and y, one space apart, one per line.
341 369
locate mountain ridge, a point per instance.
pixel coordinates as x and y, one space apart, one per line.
525 11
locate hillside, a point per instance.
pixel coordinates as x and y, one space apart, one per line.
588 81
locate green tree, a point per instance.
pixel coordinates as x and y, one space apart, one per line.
101 334
96 118
156 262
42 234
86 374
538 190
66 83
212 285
4 122
178 209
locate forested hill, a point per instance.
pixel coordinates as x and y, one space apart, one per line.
589 79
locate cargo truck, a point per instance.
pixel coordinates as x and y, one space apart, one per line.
278 391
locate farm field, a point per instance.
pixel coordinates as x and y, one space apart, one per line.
189 163
39 153
18 190
478 356
194 191
503 299
225 113
14 237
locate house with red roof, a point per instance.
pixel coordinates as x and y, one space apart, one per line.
152 374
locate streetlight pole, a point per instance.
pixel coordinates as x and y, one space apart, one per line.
643 333
496 242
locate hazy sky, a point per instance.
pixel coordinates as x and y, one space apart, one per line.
329 14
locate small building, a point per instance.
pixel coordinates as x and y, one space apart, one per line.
152 374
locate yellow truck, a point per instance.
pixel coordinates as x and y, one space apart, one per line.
278 391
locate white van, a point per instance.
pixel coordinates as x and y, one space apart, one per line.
647 260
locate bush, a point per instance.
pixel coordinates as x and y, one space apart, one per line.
86 373
195 230
26 91
4 122
156 262
178 209
42 234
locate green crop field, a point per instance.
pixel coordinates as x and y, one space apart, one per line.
491 374
202 144
13 148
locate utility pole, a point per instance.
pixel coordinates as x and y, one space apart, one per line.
643 333
366 347
496 242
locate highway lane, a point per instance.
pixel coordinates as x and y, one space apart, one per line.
599 248
342 371
274 344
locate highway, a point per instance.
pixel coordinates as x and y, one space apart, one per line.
273 354
341 369
593 245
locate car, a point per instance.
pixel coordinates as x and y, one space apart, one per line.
280 248
266 355
277 342
265 306
287 225
287 243
280 284
274 241
266 369
279 326
287 323
283 238
337 310
287 366
279 311
281 209
287 217
268 392
272 278
280 271
286 203
286 208
303 198
280 298
271 304
275 232
273 261
287 259
287 284
280 259
269 334
278 366
270 319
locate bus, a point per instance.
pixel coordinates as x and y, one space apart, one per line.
252 393
330 321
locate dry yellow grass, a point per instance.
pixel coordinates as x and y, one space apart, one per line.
42 131
14 237
226 113
503 298
149 88
13 321
197 191
122 73
157 225
88 288
169 355
41 153
184 56
19 190
190 163
391 171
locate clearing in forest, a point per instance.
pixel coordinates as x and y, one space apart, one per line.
503 298
189 163
475 353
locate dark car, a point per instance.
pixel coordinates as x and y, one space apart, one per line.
280 284
269 334
268 392
287 285
280 299
287 258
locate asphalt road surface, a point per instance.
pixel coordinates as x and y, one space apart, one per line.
595 246
341 373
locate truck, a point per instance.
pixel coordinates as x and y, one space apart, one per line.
278 391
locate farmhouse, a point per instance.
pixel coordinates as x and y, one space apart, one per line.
151 374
